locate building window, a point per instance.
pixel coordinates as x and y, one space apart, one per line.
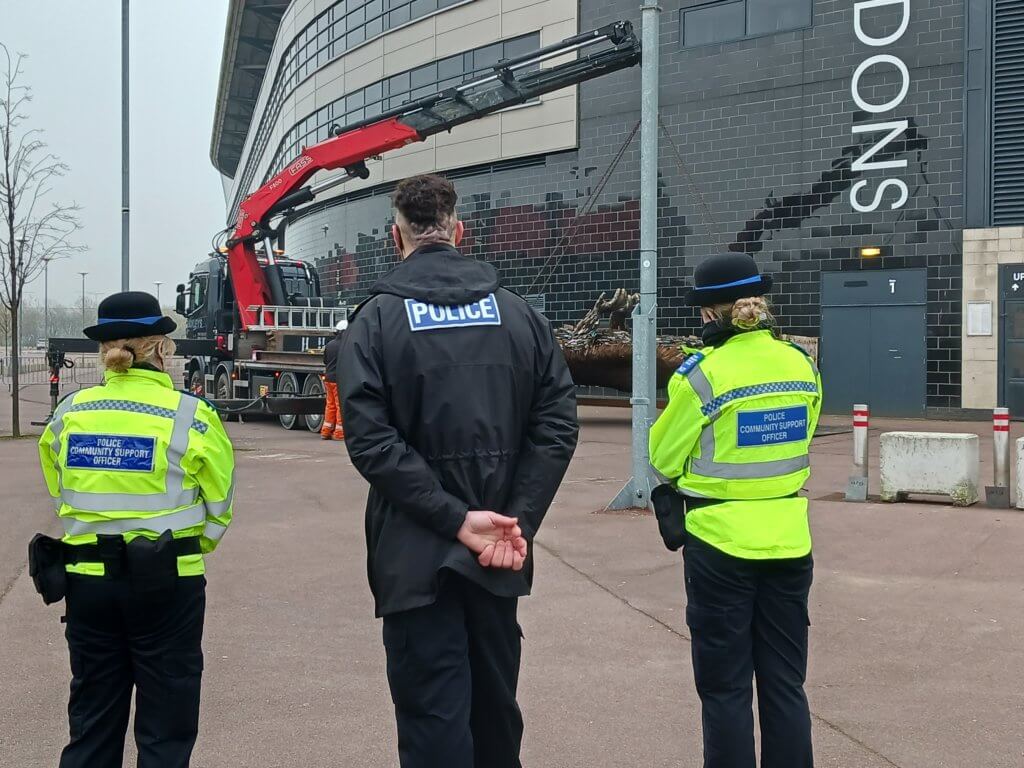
714 23
334 32
766 17
392 92
723 22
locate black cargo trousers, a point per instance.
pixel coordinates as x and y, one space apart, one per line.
748 619
453 668
122 638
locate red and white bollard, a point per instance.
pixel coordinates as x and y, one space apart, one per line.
857 488
998 494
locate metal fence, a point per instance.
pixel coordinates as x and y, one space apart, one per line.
85 371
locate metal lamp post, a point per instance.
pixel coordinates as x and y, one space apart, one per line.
83 274
636 492
158 283
124 148
46 297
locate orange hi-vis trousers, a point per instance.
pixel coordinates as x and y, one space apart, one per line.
332 415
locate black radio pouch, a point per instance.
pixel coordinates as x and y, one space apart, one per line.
670 509
152 564
46 567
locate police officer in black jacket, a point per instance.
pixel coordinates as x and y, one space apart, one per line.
459 411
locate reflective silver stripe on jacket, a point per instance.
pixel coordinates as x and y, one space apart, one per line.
175 494
760 470
706 466
220 507
214 530
173 521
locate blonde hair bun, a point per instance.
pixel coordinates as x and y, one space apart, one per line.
119 355
750 312
118 359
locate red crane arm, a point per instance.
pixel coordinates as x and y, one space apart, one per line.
345 151
513 81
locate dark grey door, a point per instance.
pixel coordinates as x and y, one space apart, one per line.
873 341
1011 338
897 364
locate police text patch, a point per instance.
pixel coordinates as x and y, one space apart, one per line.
428 317
690 363
779 425
122 453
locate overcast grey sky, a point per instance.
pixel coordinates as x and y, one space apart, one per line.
75 73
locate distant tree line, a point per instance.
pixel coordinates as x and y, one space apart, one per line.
64 321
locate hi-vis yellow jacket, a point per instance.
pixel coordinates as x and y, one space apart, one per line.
737 429
136 457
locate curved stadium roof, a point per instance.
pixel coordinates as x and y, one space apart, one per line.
248 41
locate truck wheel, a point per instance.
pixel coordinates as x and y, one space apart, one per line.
222 391
196 384
313 387
223 387
289 384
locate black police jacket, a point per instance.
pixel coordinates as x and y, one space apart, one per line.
455 397
331 357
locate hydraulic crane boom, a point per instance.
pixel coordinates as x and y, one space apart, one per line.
513 81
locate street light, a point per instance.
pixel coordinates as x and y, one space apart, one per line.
46 293
46 297
83 274
158 283
21 302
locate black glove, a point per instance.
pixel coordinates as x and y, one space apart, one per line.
671 513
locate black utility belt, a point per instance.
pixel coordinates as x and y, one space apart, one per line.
670 508
697 502
109 548
151 565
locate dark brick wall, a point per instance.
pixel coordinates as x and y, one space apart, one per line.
759 161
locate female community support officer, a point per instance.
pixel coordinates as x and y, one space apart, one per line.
734 443
143 478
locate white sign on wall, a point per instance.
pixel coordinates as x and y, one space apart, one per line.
979 318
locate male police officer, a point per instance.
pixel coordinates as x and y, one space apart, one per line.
457 401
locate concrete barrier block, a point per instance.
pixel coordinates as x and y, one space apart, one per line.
940 463
1020 473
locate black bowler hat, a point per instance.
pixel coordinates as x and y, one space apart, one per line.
724 278
129 315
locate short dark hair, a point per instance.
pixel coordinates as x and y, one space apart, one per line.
426 202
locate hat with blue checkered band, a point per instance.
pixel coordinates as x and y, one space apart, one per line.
129 315
726 277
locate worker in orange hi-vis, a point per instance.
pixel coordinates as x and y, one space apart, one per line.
332 427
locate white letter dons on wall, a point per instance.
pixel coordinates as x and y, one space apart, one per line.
864 66
864 37
877 201
894 128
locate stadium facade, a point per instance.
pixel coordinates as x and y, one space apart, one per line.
868 153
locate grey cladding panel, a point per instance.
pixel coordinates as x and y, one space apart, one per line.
1008 113
889 287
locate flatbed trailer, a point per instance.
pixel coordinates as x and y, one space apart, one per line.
285 385
273 368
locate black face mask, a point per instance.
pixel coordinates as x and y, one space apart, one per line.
716 333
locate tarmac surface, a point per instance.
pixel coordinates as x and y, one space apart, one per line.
917 614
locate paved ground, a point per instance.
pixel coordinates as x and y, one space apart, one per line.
917 614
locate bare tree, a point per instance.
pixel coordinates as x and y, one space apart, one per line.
34 228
